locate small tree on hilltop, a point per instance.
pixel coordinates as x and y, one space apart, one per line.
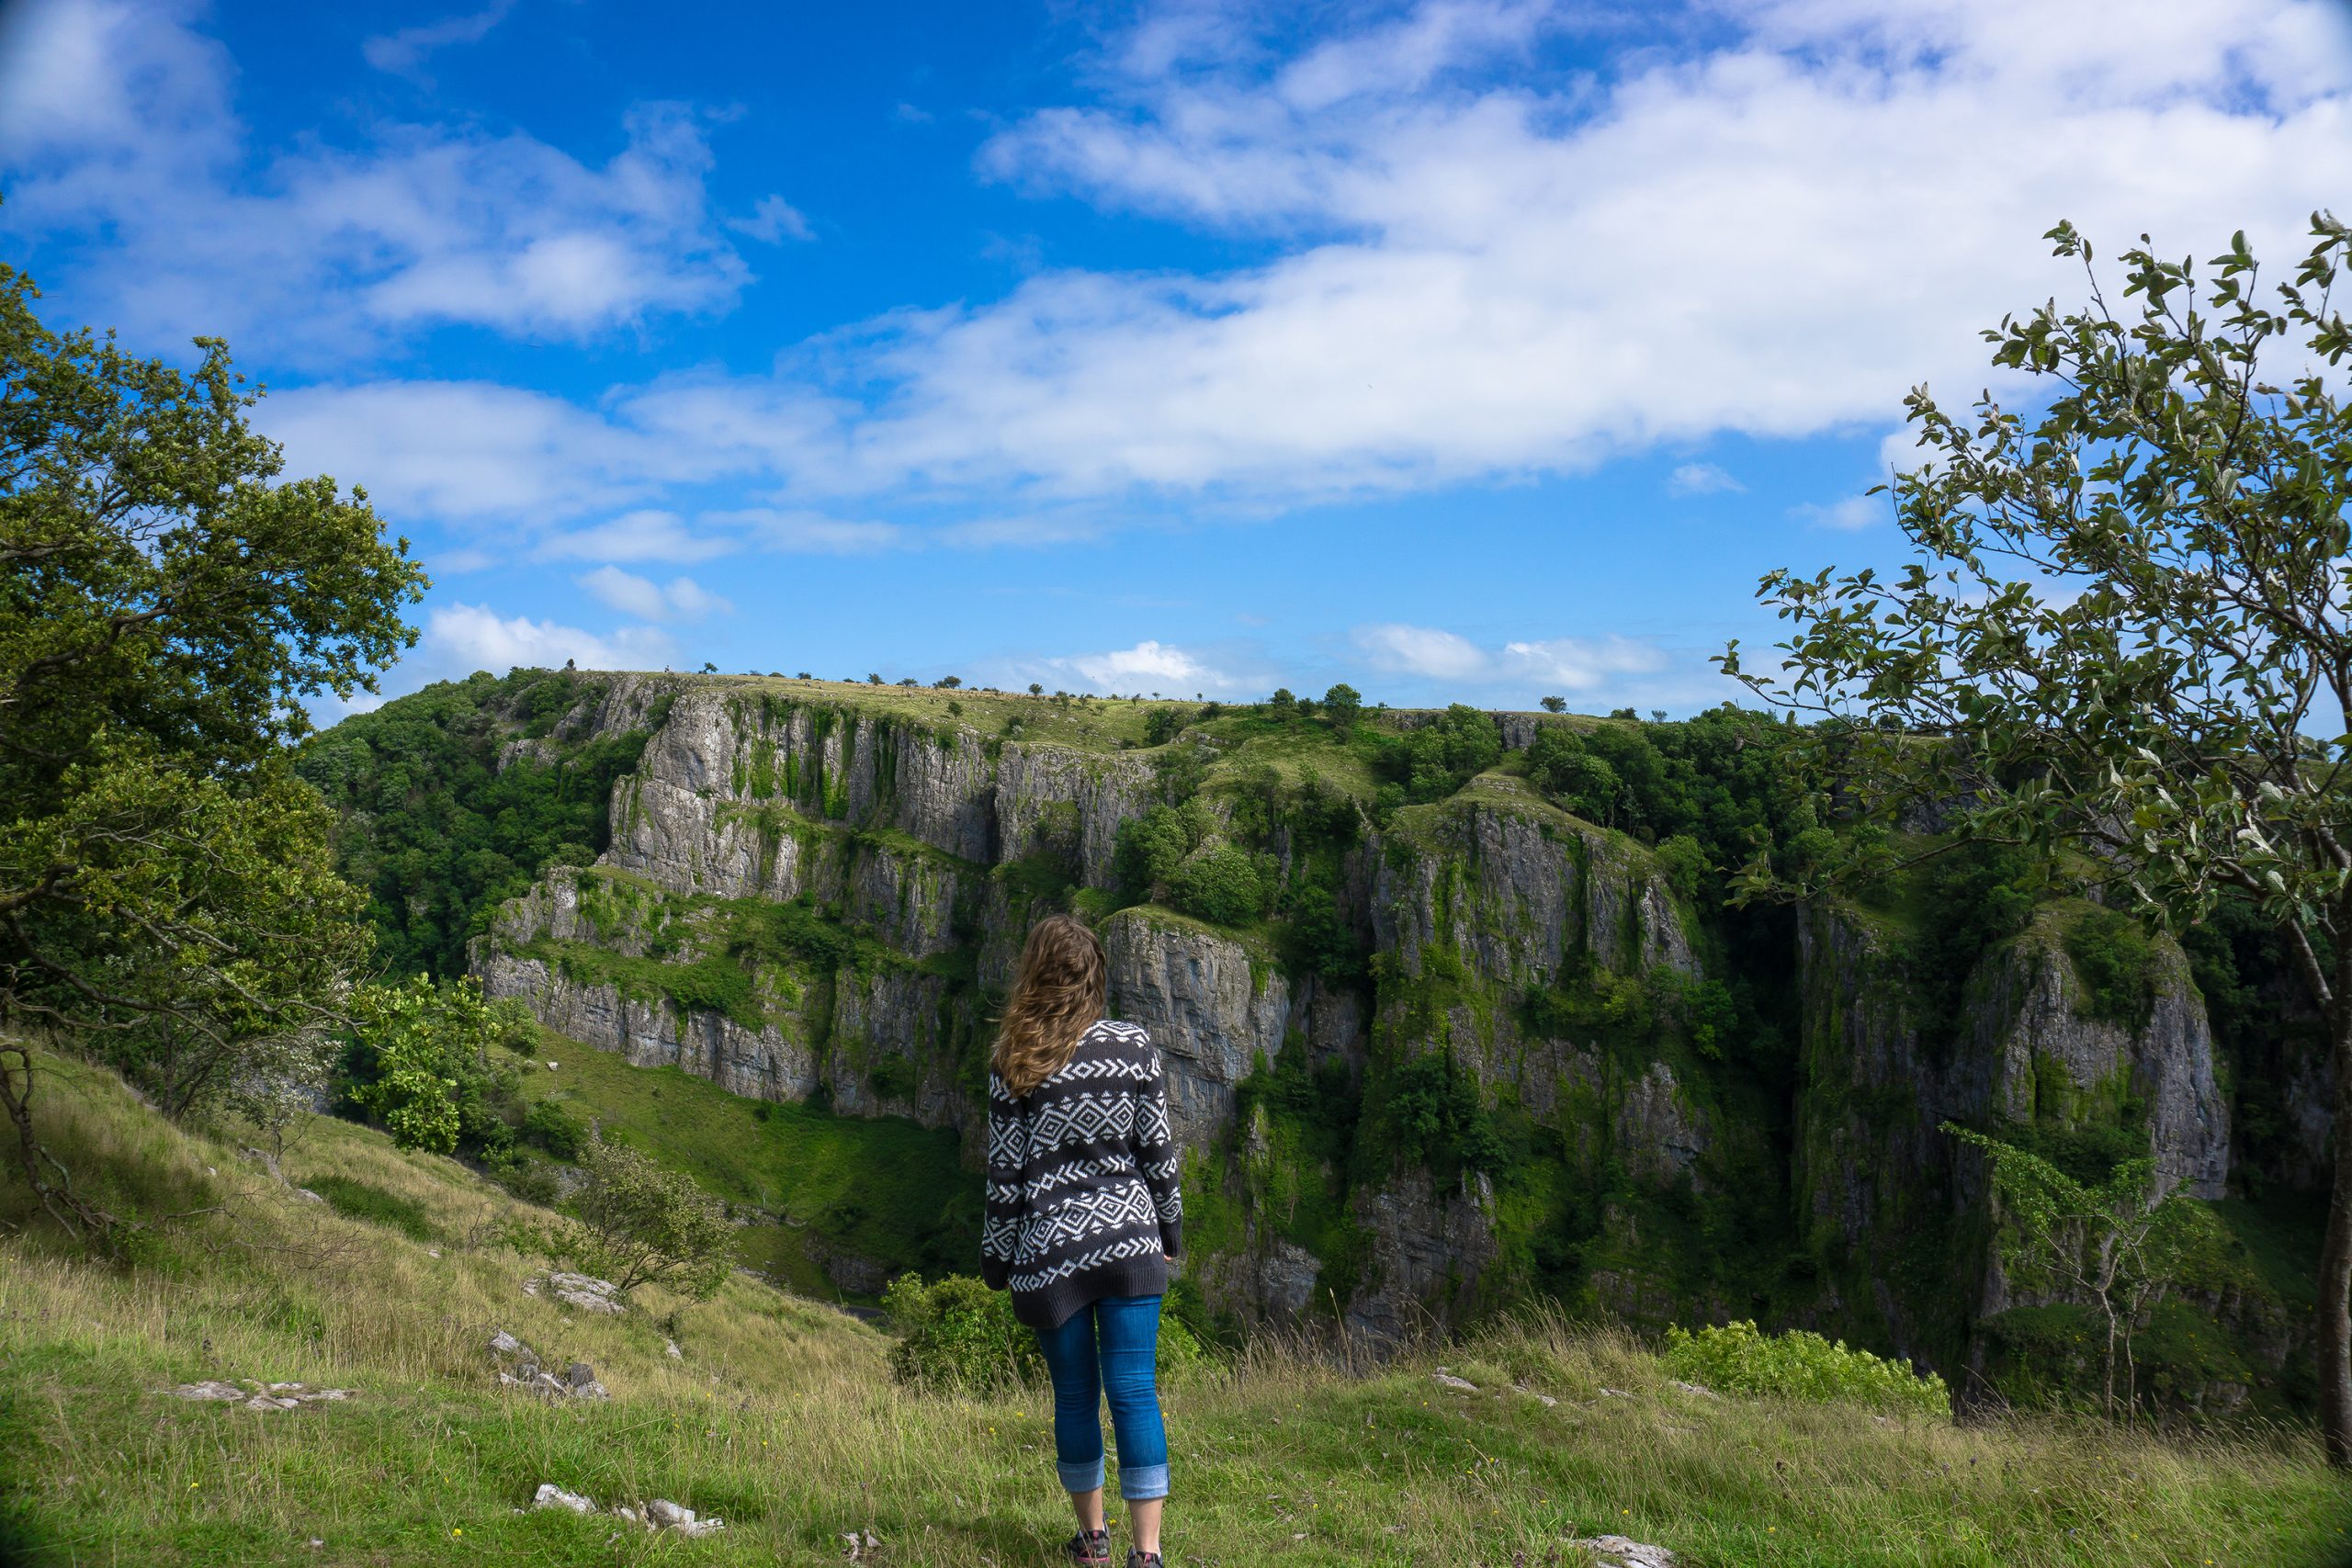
2127 630
1341 704
641 1225
1556 704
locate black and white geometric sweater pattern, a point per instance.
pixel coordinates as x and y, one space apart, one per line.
1083 1198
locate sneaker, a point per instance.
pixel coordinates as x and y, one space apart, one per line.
1142 1559
1090 1548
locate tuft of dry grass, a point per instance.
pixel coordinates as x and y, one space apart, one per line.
781 1417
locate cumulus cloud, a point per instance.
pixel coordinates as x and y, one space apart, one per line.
1562 664
1482 271
1149 666
681 597
118 128
1146 666
1422 651
1702 479
460 638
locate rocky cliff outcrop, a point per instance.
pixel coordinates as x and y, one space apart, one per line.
1531 1077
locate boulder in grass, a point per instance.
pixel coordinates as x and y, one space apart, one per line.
663 1514
210 1389
1616 1551
1459 1385
551 1496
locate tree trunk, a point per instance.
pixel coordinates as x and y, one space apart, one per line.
2335 1258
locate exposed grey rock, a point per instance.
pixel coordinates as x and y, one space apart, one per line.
666 1515
582 1291
1617 1551
209 1389
1459 1385
1660 1137
551 1496
504 1344
1428 1254
1210 1010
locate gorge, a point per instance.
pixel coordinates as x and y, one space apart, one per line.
1453 1021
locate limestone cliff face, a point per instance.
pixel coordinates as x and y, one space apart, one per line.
1211 1011
1870 1167
1527 1082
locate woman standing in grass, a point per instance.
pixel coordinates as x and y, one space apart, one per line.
1083 1219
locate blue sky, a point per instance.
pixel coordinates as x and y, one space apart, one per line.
1475 350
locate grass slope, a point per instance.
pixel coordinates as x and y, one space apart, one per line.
780 1417
881 1188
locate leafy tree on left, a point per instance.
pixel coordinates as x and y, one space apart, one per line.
168 601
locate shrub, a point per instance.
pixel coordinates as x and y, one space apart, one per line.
957 1333
642 1224
1221 887
1738 1358
554 1128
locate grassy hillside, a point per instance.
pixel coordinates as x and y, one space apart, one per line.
883 1190
780 1417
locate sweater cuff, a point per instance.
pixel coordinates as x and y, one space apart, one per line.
996 1273
1172 1237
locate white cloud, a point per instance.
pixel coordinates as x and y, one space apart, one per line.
648 601
1147 666
118 128
1485 279
1422 651
466 451
460 638
1853 512
1482 272
1569 664
774 220
1702 479
812 533
403 52
637 536
1479 272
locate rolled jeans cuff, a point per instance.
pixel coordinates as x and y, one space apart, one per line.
1084 1476
1142 1483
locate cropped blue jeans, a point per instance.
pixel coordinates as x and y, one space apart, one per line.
1108 1347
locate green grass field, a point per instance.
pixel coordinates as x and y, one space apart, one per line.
781 1418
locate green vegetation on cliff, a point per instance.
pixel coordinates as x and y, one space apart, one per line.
439 827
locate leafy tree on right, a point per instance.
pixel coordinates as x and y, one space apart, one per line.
2126 633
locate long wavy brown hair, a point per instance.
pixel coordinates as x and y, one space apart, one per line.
1058 990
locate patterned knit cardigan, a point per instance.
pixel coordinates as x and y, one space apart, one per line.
1082 1195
